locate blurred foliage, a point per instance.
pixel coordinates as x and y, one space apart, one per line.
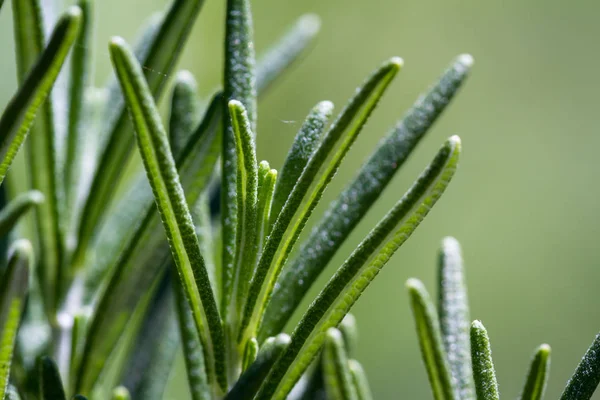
521 205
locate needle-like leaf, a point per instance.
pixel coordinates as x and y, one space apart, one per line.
453 311
586 377
239 84
306 141
353 203
286 50
484 373
338 378
267 179
161 54
184 111
250 353
247 386
79 82
51 387
309 189
171 202
359 378
430 340
13 291
538 374
349 330
357 272
12 213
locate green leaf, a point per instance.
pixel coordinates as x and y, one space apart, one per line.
80 324
586 377
538 374
171 202
79 83
287 49
132 251
43 144
250 353
193 352
267 178
11 393
161 51
184 111
430 340
306 142
51 386
359 378
13 292
1 3
484 373
309 189
357 272
338 379
239 83
247 187
247 385
344 214
349 329
12 213
121 393
453 310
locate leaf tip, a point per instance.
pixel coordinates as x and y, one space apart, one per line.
310 23
74 12
186 77
396 63
544 349
466 60
414 285
37 197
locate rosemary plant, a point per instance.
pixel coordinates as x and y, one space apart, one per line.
102 286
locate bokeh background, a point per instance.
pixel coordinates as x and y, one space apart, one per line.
524 203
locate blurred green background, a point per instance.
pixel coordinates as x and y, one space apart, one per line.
523 203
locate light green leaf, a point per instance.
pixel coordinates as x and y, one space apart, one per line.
250 353
247 188
338 379
344 214
316 176
306 142
12 213
453 310
484 374
585 379
51 387
538 374
171 202
349 329
161 49
247 385
359 378
430 340
267 179
287 49
239 84
13 292
121 393
185 115
358 271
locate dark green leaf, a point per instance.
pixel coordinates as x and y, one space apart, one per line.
316 176
51 387
430 340
359 378
13 291
453 309
338 379
538 374
586 377
306 141
184 111
79 397
357 272
353 203
239 84
171 202
247 386
287 49
161 49
484 374
12 213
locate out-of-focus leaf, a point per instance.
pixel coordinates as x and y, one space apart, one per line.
484 373
338 379
184 116
349 329
353 203
353 277
250 353
586 377
51 387
121 393
13 292
359 378
12 213
538 374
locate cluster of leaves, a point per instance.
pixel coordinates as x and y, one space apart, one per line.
109 297
457 352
